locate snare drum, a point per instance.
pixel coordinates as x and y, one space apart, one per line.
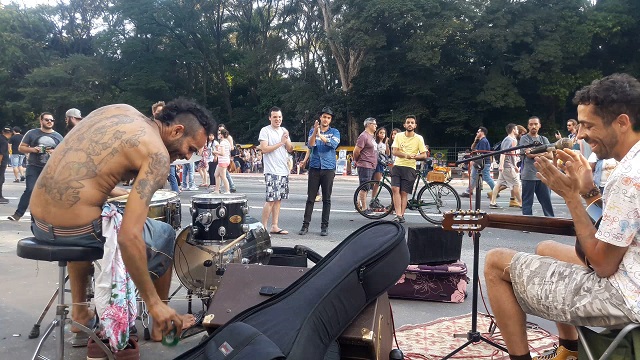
218 218
165 206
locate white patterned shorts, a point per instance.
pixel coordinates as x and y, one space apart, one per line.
567 293
277 187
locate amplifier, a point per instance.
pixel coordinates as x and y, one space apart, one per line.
432 245
368 337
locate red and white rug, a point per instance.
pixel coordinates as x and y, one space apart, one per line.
434 340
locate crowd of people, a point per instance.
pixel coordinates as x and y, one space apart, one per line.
516 170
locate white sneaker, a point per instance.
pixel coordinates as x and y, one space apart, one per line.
194 188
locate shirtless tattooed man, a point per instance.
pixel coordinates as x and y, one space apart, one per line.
113 143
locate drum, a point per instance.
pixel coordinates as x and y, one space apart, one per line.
218 218
165 206
200 267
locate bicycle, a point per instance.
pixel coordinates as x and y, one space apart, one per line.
433 199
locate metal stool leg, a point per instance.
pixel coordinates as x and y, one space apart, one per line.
35 330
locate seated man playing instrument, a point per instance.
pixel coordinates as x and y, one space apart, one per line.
113 143
556 284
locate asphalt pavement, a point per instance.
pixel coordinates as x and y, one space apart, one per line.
28 284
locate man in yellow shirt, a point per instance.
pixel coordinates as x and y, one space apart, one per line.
407 147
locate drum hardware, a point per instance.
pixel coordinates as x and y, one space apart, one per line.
200 264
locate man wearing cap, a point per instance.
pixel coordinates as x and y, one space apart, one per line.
365 154
323 141
4 159
39 145
72 117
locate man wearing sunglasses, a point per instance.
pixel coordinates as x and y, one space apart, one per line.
37 144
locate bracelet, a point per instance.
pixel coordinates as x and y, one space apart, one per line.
592 193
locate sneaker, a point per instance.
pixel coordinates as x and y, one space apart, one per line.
368 212
95 352
558 353
399 219
304 230
494 206
14 217
515 203
3 200
131 352
22 178
465 195
194 188
324 231
16 180
232 190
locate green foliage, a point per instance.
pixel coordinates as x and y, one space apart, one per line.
456 64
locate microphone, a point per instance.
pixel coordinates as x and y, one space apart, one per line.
564 143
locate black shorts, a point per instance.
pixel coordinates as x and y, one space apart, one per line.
403 177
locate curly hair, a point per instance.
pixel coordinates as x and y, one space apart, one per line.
611 97
174 111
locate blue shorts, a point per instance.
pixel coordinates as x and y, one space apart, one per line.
17 160
379 168
159 237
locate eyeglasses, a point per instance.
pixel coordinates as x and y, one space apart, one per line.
49 120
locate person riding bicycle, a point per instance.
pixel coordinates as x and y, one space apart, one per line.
407 147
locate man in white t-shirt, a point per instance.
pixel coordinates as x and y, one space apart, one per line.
275 146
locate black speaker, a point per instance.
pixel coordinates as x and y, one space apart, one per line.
432 245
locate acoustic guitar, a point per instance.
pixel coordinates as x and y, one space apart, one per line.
477 220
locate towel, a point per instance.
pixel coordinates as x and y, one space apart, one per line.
115 295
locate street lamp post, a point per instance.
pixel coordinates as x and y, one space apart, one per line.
392 127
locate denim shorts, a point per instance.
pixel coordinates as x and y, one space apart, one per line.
17 160
158 236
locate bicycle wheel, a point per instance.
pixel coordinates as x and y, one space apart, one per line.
379 205
435 199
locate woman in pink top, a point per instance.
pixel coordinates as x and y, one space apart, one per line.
223 152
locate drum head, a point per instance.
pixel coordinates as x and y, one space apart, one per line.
218 198
159 197
195 267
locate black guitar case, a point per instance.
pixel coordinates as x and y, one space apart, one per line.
304 320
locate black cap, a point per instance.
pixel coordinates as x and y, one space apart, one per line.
7 130
327 110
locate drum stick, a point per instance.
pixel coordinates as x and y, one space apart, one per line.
231 244
118 198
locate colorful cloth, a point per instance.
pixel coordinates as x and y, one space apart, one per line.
115 294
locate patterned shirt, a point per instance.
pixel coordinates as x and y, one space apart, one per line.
620 225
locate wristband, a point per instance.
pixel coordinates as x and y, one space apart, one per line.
592 193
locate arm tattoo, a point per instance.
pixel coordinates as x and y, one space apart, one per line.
154 177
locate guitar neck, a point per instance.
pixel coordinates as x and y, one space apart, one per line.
537 224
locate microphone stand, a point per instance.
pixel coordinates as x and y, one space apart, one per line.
474 336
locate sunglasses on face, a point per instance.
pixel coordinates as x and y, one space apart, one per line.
48 120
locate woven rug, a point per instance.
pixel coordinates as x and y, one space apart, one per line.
434 340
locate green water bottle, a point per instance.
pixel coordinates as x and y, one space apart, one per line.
171 338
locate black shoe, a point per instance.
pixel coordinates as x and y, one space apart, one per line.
232 190
15 217
303 231
3 200
324 231
22 178
465 195
16 180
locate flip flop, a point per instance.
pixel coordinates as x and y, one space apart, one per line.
280 232
80 339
